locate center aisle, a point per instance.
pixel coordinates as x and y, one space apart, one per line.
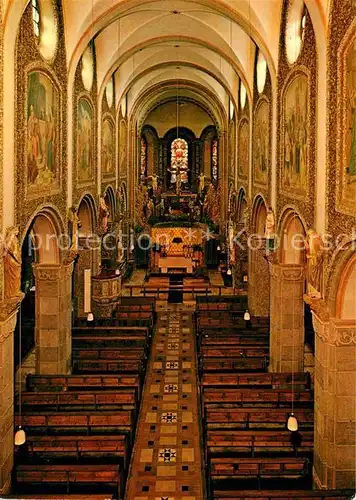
167 461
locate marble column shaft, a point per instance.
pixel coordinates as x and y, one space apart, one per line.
53 318
287 318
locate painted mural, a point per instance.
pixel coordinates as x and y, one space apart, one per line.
349 184
85 142
295 140
42 154
108 149
243 149
261 144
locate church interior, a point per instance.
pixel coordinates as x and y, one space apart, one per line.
178 272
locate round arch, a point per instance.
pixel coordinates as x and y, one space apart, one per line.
87 215
241 204
292 233
341 280
259 215
49 235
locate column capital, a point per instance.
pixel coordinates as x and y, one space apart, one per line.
287 272
52 272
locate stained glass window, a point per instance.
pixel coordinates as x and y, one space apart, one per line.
261 72
295 30
143 158
36 18
214 160
179 160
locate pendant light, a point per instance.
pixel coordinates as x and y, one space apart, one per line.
229 272
20 435
292 422
247 316
90 317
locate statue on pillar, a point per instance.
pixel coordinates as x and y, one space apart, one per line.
270 230
103 215
315 257
154 180
201 182
12 264
75 226
178 183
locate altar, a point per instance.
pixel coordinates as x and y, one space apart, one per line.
169 265
177 249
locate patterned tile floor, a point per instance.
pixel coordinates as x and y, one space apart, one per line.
166 462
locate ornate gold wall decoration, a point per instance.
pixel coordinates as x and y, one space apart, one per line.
297 90
85 126
40 122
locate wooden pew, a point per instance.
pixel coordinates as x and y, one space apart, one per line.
262 380
228 442
283 495
257 397
92 366
108 353
91 423
59 496
234 352
110 330
81 382
124 399
240 364
207 340
71 477
257 418
77 448
259 468
115 341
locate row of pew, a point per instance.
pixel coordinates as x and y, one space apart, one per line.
80 427
249 452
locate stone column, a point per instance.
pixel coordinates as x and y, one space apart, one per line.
335 403
259 282
8 319
287 318
53 318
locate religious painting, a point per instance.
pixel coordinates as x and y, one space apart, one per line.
85 142
122 148
43 138
243 152
108 149
232 149
261 144
349 129
295 136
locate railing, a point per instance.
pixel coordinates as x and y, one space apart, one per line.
192 290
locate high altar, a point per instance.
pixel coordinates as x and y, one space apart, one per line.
177 249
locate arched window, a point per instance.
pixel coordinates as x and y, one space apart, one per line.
143 158
214 160
36 18
179 159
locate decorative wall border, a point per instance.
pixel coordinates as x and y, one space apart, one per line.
307 64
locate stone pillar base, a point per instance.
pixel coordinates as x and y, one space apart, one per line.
53 318
259 283
335 403
287 318
8 319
